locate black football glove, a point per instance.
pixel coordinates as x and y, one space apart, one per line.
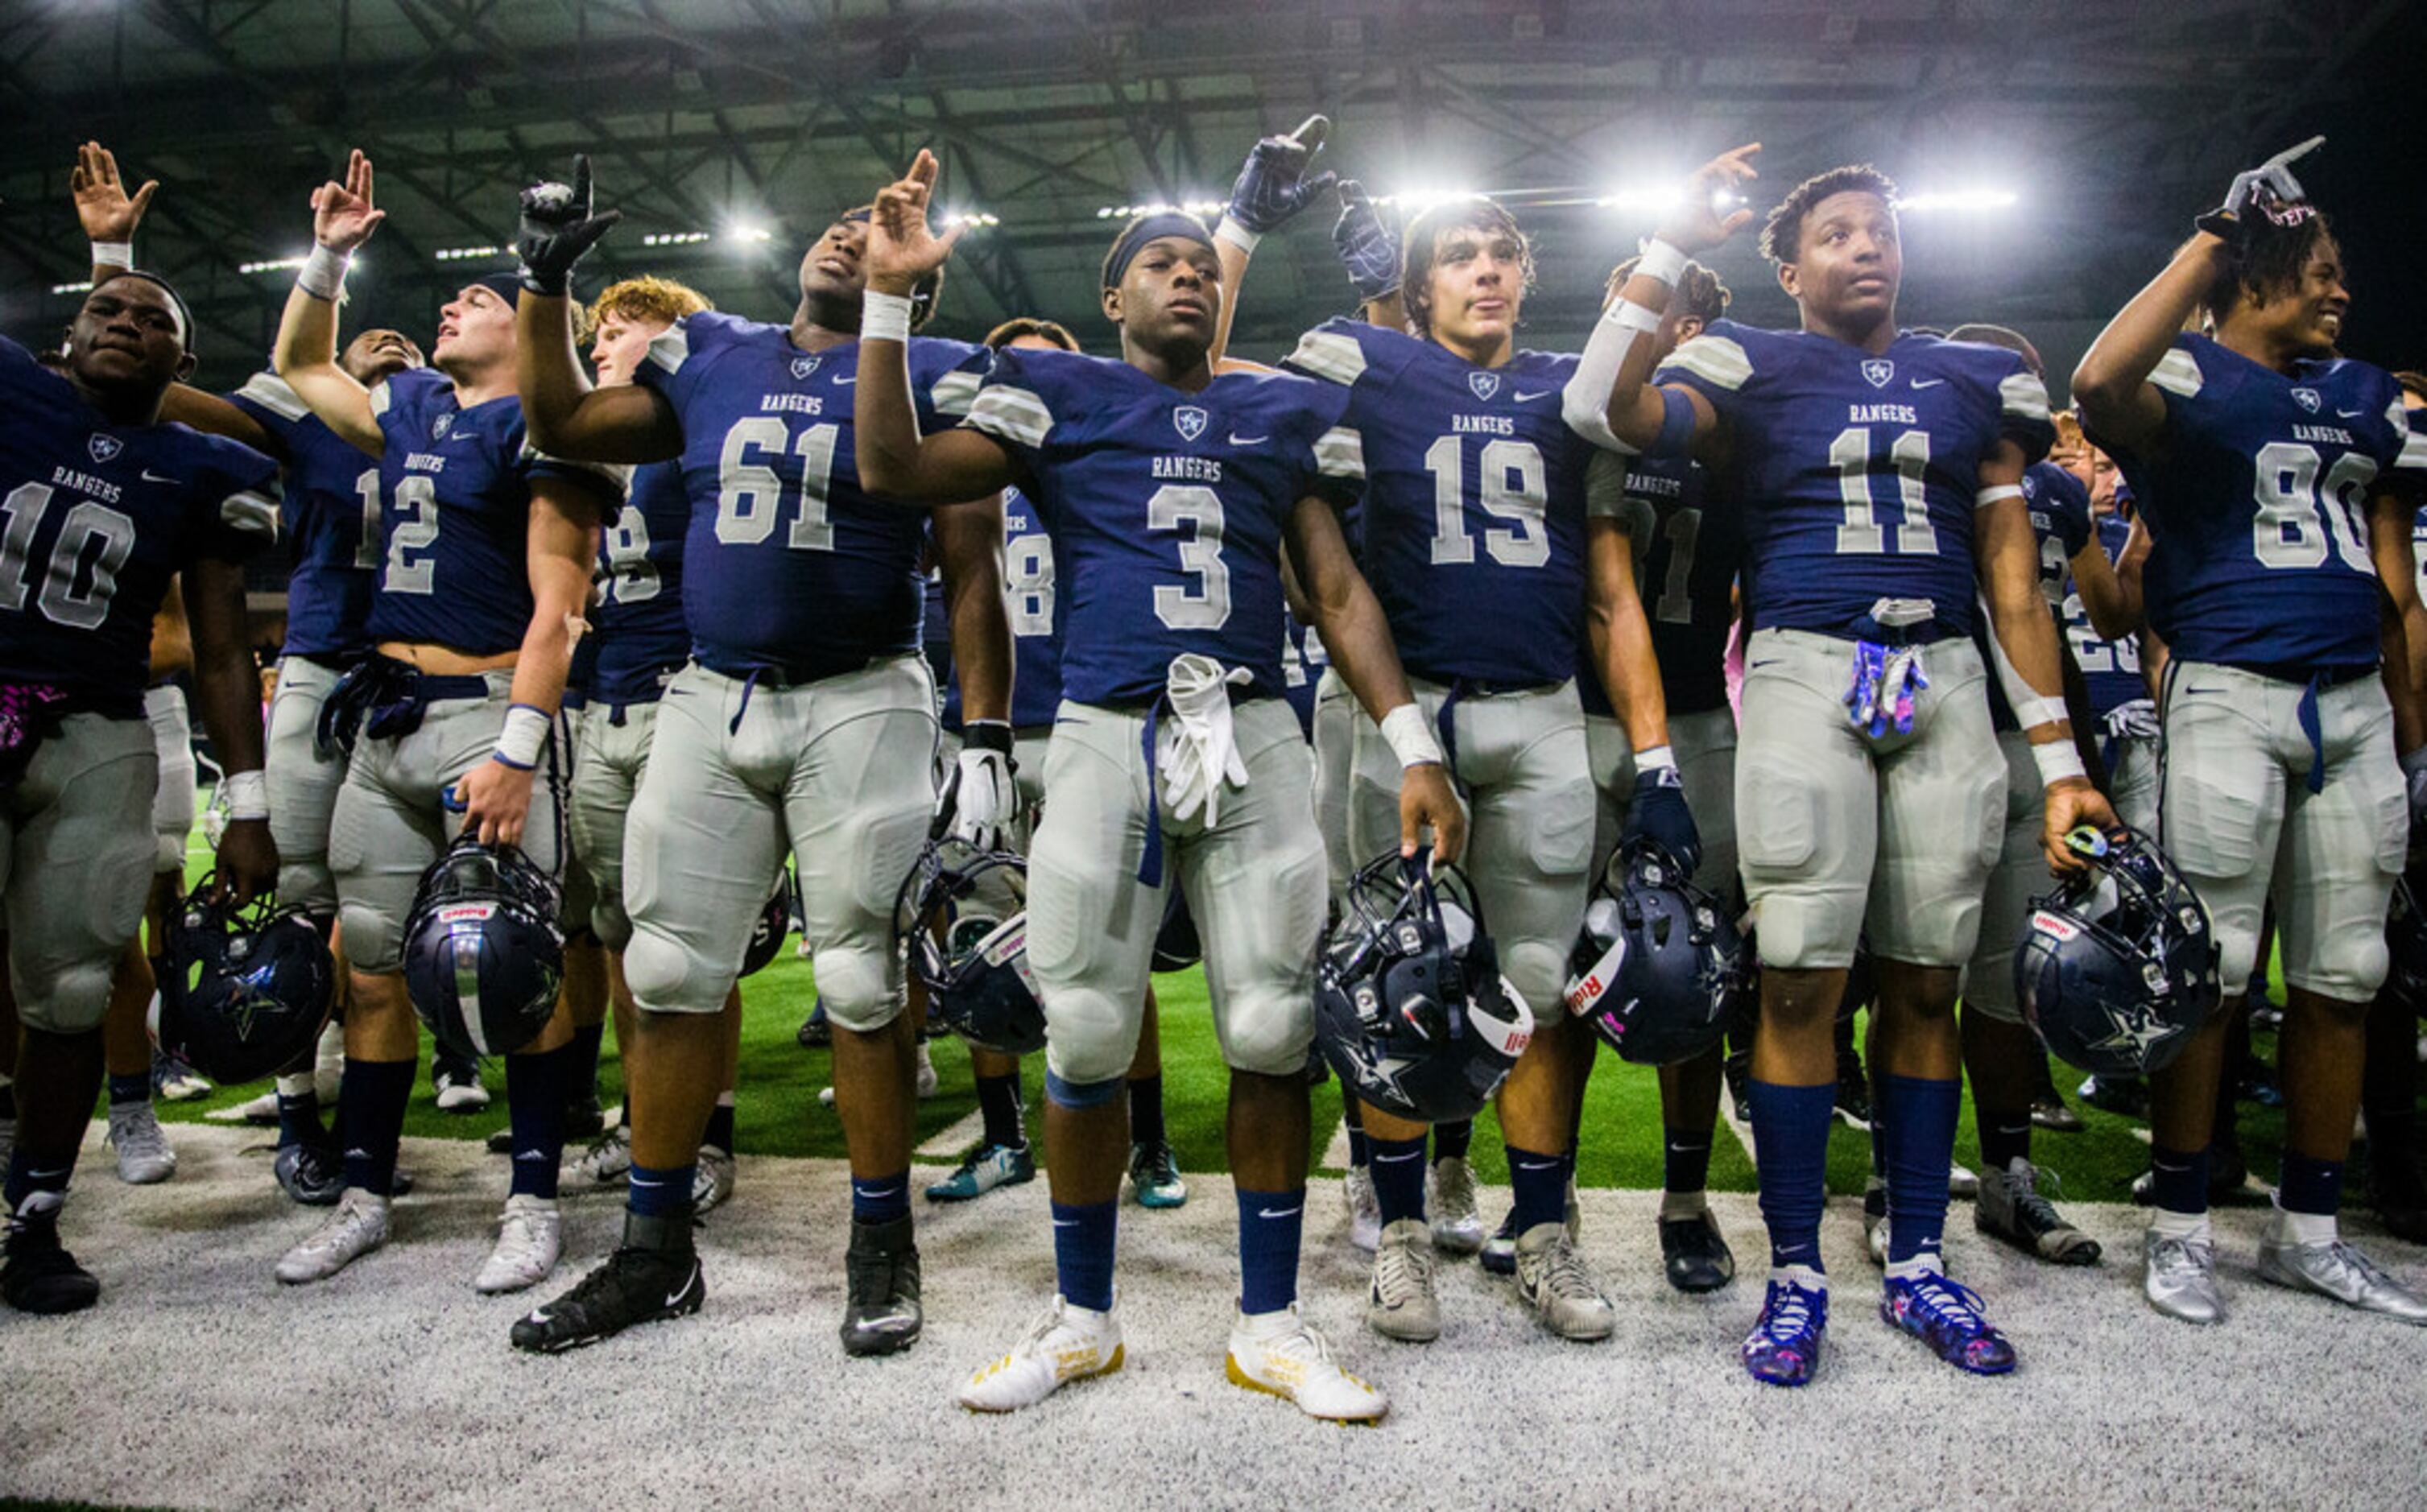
2270 190
1273 184
1658 813
557 230
1367 242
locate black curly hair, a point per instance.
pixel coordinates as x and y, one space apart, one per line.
2272 259
1782 235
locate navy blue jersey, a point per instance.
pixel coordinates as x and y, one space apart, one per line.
95 519
1166 508
2060 511
2257 490
1473 506
456 508
331 519
788 563
1303 661
1028 591
1687 553
2110 670
1855 474
638 621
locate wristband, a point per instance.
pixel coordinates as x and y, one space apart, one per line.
1656 758
1640 320
2030 713
885 318
1659 260
246 794
987 735
1410 737
113 254
323 275
2058 760
1230 229
1987 496
525 736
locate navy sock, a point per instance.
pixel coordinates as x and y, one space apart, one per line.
1451 1141
998 1102
135 1088
882 1199
1920 1143
2178 1181
1361 1150
2005 1134
536 1117
299 1120
719 1132
1685 1160
1270 1223
580 1072
1398 1177
1790 1137
2310 1185
655 1194
1540 1185
370 1119
1083 1252
8 1099
1146 1109
35 1193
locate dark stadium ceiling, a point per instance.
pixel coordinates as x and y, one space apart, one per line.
708 115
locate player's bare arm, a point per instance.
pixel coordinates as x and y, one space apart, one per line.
2393 549
969 548
2114 611
227 694
305 354
1621 638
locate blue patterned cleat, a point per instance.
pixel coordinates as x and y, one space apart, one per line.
982 1170
1783 1348
1949 1318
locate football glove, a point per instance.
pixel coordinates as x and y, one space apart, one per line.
2270 189
557 230
982 799
1367 243
1657 813
1273 184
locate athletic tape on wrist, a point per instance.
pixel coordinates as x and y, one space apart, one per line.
987 735
2057 760
323 275
1990 495
523 738
247 795
1656 758
885 318
1635 319
1660 260
113 254
1237 234
2033 713
1410 737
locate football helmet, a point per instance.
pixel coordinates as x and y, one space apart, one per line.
243 988
484 954
1659 965
2117 968
962 916
2406 943
766 935
1410 1007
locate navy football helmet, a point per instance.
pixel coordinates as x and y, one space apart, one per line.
1658 967
243 989
1410 1007
2117 968
767 936
483 953
963 914
2406 943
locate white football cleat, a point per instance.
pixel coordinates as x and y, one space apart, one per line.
529 1236
1364 1210
144 1153
711 1179
607 1161
1065 1343
358 1226
1283 1354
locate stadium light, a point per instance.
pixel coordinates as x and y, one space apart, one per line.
1195 207
1643 196
674 238
1968 200
1416 202
459 254
747 233
972 217
270 265
80 287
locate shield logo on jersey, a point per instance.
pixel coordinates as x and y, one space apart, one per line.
440 425
103 449
1190 421
2306 399
1879 370
1484 385
804 367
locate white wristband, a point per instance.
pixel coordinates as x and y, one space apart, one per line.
246 794
2033 713
2058 760
113 254
1656 758
1661 261
1410 736
525 736
1987 496
323 275
885 318
1237 236
1631 317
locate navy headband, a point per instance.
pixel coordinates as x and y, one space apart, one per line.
1149 228
507 286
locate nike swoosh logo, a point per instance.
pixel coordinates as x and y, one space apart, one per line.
1523 398
1238 440
683 1291
1411 1155
150 477
538 1316
1926 382
1066 1223
1285 1213
2347 415
846 383
1537 1165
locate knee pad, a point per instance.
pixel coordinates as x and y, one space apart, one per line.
665 979
1084 1093
1539 971
374 942
862 987
1268 1035
70 999
1088 1037
305 882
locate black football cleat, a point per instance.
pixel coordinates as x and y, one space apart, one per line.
1696 1253
654 1276
881 1313
37 1276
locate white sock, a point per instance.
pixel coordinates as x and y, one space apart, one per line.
2305 1227
1803 1275
1919 1265
2167 1223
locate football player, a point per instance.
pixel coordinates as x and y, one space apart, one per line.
1031 597
805 719
1168 488
105 505
641 642
1878 474
489 550
2272 474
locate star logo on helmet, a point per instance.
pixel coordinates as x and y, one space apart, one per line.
1484 385
2138 1030
1189 421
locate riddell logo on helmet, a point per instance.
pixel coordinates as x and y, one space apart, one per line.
466 913
1584 991
2063 929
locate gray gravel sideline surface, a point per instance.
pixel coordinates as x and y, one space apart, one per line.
199 1382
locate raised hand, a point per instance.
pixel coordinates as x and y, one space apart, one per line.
343 217
900 249
107 213
1705 219
1367 242
1273 184
556 230
2256 187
